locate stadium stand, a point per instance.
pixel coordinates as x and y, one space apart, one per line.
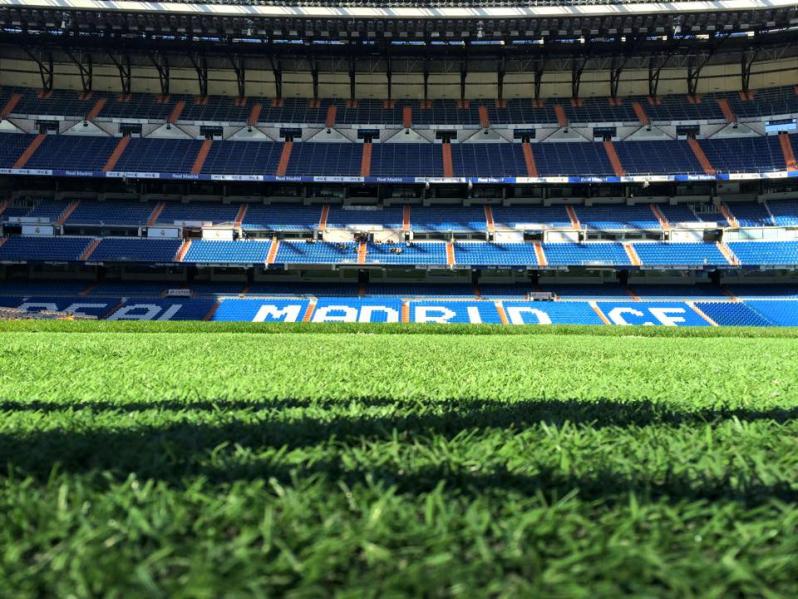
586 254
119 213
149 309
732 314
581 158
744 154
577 159
136 250
677 255
785 214
487 160
669 108
612 217
617 204
751 214
406 160
159 156
65 151
551 313
777 312
755 253
652 157
477 253
305 252
418 253
239 252
33 249
242 158
325 159
672 254
441 219
279 217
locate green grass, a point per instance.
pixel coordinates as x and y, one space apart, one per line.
517 461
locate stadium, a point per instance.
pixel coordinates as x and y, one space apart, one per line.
362 210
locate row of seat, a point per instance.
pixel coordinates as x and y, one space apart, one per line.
333 159
429 253
775 312
665 109
420 219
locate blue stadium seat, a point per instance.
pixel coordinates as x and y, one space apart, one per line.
417 253
586 254
679 254
48 210
129 249
729 314
576 159
656 157
281 217
488 160
262 310
111 212
553 312
427 219
357 310
783 313
406 160
751 214
242 158
37 249
324 159
480 253
617 217
227 252
744 154
678 213
785 212
157 309
678 108
12 145
773 253
159 156
389 160
320 252
776 101
72 152
454 312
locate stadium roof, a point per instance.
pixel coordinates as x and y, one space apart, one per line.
531 24
402 9
455 38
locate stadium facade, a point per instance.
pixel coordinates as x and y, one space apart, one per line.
537 162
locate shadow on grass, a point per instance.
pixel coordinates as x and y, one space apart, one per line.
424 415
178 451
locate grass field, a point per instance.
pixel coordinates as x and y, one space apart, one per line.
193 460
